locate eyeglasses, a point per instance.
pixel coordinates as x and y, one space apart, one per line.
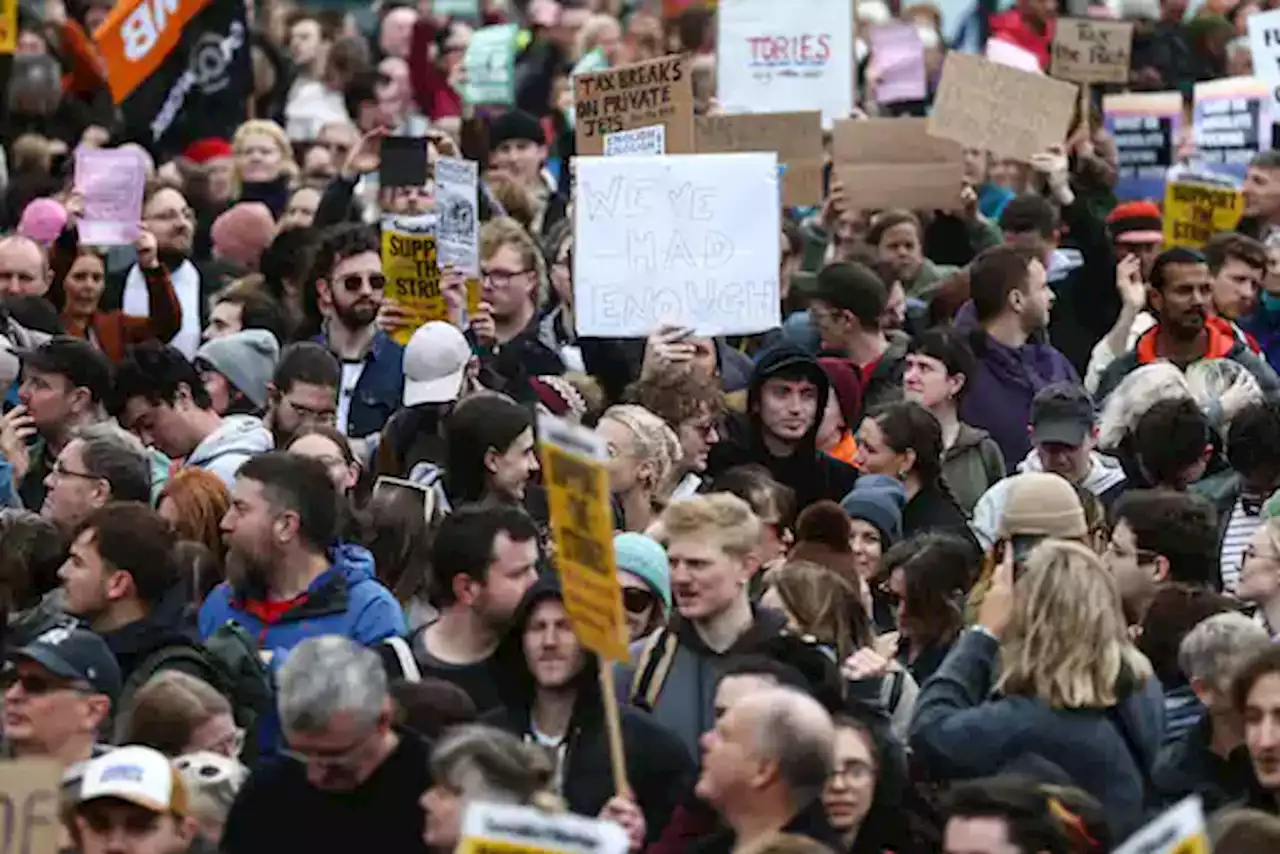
1140 555
172 216
853 770
353 283
635 600
59 470
323 416
501 279
38 684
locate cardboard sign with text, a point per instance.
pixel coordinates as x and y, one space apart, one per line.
658 92
895 163
796 137
31 792
1092 51
1008 112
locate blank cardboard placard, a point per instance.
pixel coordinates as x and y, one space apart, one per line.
31 790
1008 112
657 92
403 162
1092 51
884 163
796 137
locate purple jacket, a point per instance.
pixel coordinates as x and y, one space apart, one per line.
998 399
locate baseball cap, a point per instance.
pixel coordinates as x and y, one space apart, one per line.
1061 414
435 361
75 654
138 775
83 365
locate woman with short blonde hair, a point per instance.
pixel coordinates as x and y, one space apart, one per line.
262 154
644 456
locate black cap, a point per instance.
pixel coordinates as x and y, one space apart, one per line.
83 365
516 124
1061 414
78 655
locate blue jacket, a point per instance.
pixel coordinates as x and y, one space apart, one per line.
346 600
1264 326
380 388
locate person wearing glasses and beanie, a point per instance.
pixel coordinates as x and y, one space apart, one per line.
645 576
349 290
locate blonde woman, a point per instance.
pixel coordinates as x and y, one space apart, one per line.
1259 581
1071 689
644 456
263 168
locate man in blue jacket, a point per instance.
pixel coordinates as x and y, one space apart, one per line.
286 579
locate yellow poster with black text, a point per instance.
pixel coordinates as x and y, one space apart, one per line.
1194 212
8 26
413 276
576 478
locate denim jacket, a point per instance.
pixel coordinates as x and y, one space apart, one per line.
380 388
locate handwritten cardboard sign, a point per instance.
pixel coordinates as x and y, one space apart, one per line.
796 137
776 57
30 790
1086 50
656 92
412 268
1145 128
687 239
896 163
1011 113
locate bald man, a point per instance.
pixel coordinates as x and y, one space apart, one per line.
764 766
24 270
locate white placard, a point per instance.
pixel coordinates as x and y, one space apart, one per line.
1264 43
458 233
687 238
776 58
1180 828
647 140
529 829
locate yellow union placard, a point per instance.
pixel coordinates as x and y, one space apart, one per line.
1194 212
8 26
409 262
576 478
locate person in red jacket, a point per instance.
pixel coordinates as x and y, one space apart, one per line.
1029 25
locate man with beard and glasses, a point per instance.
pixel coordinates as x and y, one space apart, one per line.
351 284
167 215
484 560
552 698
288 578
1187 331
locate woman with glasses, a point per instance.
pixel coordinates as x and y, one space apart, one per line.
645 575
177 713
850 791
643 455
1259 582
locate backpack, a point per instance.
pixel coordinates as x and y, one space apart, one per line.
652 667
229 661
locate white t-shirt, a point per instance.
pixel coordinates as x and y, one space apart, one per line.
351 372
186 284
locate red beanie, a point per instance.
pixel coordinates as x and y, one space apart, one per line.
203 150
847 386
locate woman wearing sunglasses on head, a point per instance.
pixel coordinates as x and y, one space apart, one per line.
645 576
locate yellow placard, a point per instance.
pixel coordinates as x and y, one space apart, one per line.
413 274
1194 212
576 479
8 26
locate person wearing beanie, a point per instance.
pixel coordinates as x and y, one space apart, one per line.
237 370
822 537
76 291
242 233
874 507
843 409
518 149
645 575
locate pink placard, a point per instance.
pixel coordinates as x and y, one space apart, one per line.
111 181
897 64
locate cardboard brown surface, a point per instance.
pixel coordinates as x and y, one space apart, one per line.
884 163
657 92
796 137
1092 51
1008 112
31 789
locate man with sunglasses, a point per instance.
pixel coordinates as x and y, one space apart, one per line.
59 690
351 286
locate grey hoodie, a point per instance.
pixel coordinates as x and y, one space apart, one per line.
223 451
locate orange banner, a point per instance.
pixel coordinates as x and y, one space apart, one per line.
137 37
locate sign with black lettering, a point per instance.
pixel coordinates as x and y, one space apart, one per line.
1145 128
413 271
1194 212
1086 50
1231 122
504 829
657 92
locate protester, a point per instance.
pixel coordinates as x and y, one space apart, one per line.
1259 581
643 457
100 464
177 713
1256 694
236 370
644 574
132 799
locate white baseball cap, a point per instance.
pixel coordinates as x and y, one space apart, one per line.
138 775
435 363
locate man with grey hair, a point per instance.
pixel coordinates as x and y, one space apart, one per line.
1210 758
347 769
101 463
764 766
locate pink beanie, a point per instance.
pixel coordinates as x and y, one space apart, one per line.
242 233
42 221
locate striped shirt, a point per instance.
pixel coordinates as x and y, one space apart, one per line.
1241 525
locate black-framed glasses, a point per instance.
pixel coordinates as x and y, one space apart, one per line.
635 600
353 283
501 279
322 416
59 470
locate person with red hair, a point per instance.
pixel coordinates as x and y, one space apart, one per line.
194 502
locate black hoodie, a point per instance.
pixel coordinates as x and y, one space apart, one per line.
812 474
659 769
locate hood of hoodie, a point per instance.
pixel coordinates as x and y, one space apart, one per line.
170 622
516 685
237 434
1222 342
967 438
789 359
1105 472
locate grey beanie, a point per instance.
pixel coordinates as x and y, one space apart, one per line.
247 359
878 500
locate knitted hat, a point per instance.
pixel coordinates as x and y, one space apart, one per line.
42 221
848 388
242 233
878 500
1135 222
247 359
516 124
822 536
559 396
1040 504
203 150
647 561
